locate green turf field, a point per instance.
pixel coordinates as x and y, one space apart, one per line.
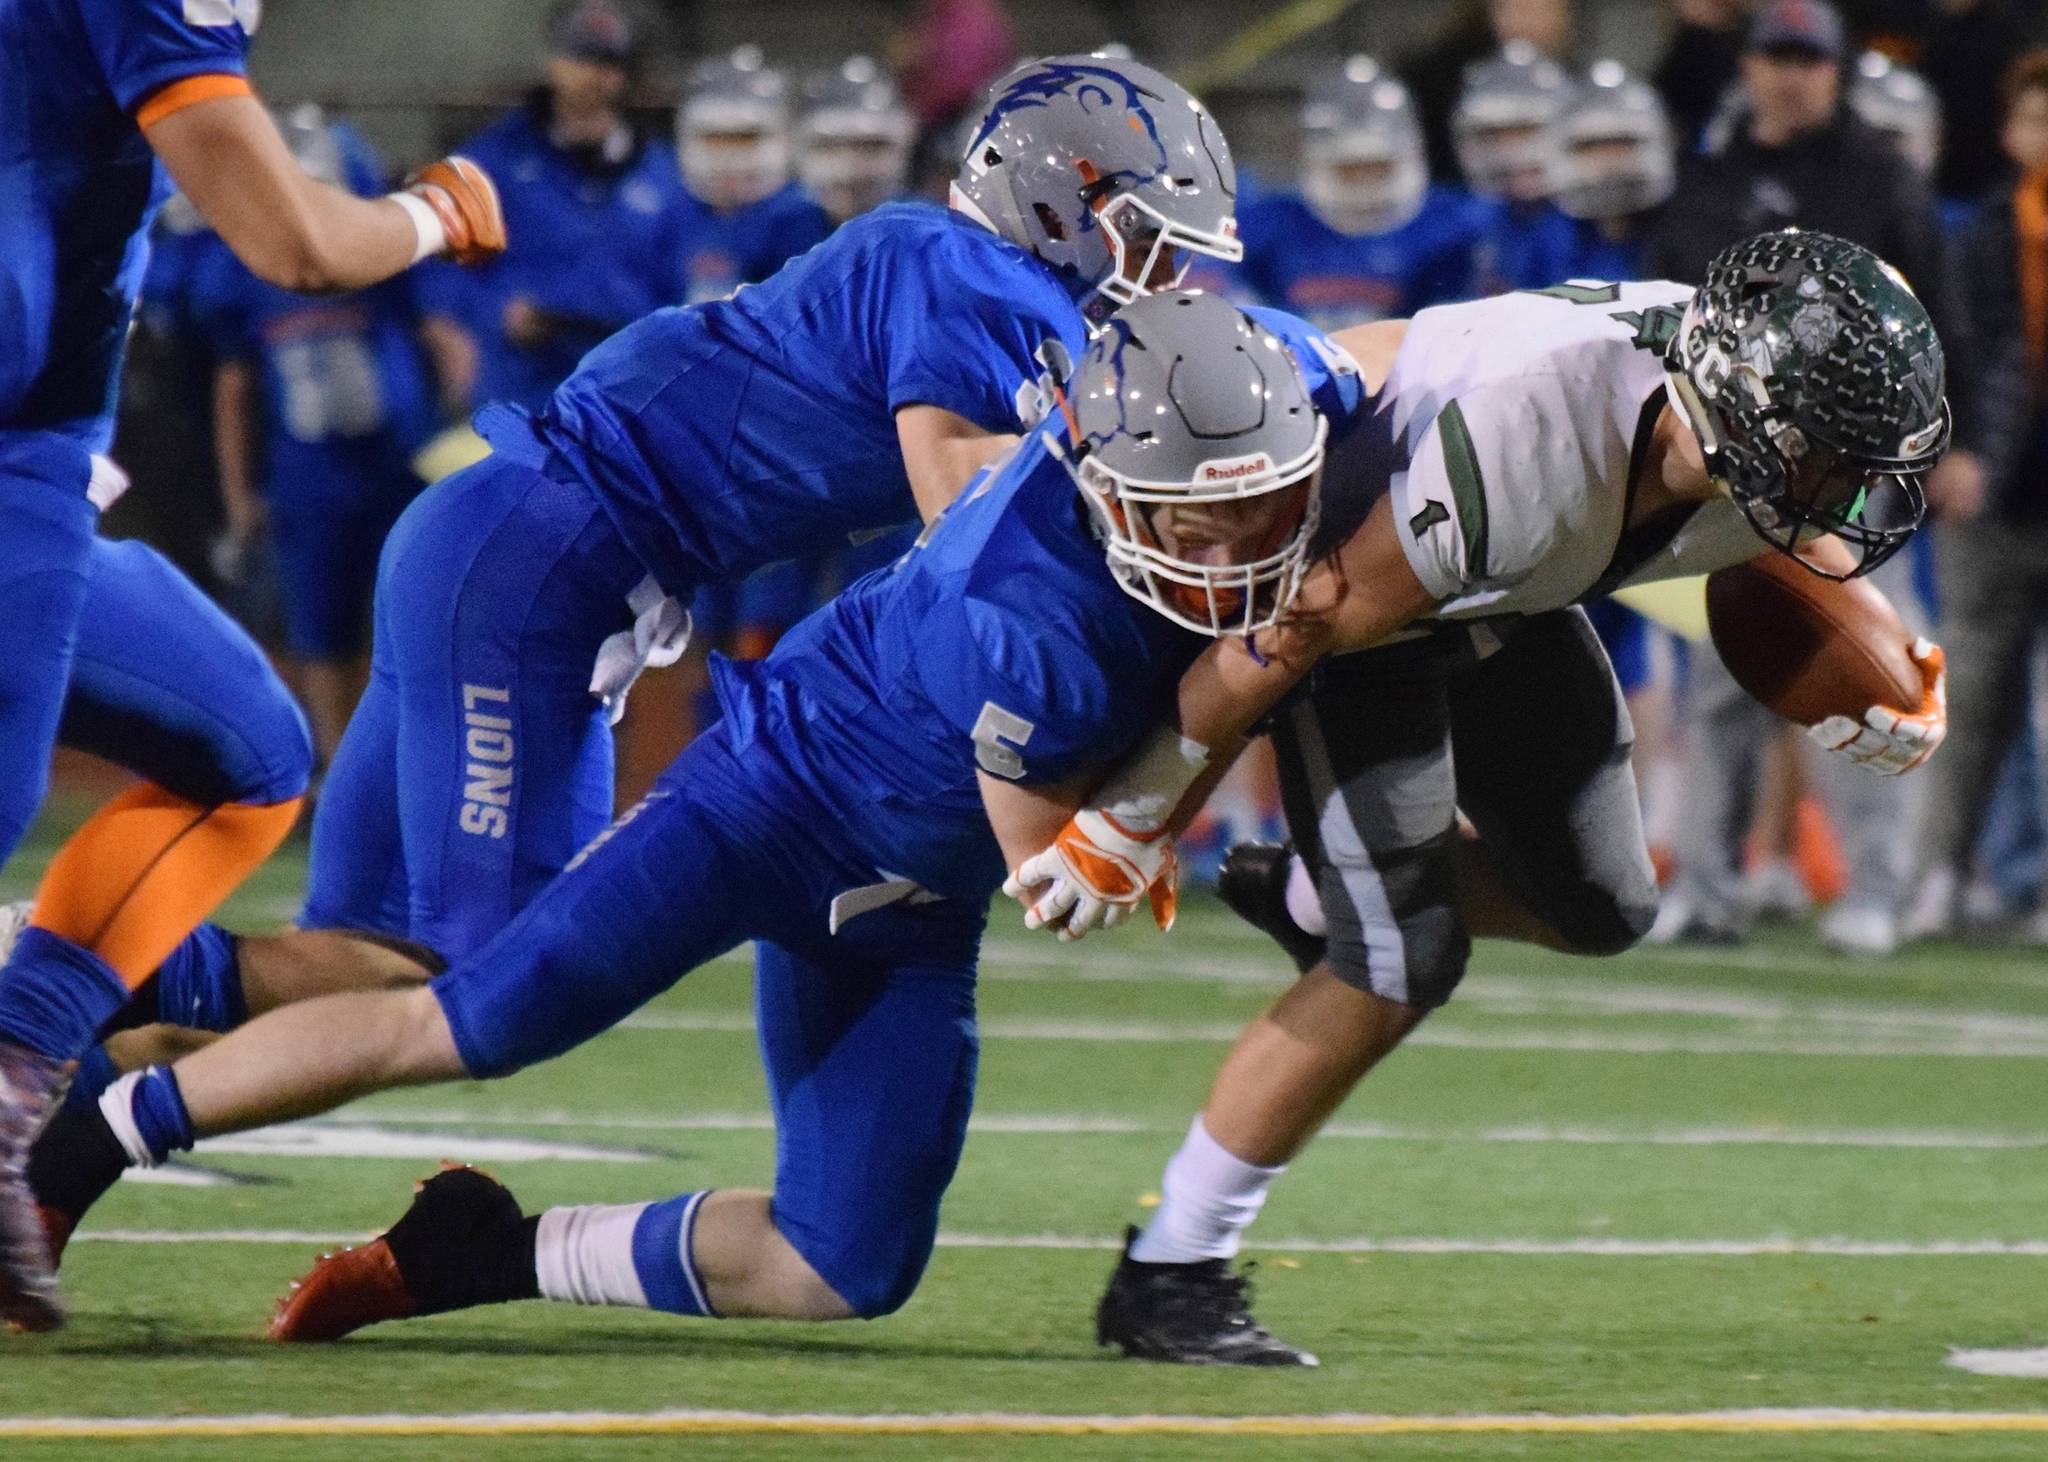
1589 1196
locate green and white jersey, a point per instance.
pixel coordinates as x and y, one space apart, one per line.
1522 419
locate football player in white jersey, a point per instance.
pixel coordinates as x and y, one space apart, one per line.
1459 765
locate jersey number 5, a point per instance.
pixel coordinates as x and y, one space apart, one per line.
997 735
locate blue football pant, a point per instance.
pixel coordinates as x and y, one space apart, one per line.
164 684
868 1036
46 535
478 761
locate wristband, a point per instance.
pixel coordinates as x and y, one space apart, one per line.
1140 797
426 224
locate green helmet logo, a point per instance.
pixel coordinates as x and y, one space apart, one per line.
1815 382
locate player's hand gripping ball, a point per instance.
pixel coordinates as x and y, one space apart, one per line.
1095 875
1832 656
465 199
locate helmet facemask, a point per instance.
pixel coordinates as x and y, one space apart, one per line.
1794 486
1224 554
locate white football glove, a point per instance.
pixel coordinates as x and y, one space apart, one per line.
1098 873
1888 740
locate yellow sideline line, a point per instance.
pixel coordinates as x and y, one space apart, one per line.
701 1423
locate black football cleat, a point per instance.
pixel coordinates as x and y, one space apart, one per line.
1192 1314
458 1245
1254 883
31 1087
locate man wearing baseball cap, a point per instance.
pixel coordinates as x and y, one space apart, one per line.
1790 153
603 221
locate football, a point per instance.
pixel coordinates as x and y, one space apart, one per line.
1810 647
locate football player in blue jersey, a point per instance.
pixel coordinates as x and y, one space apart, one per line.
868 785
855 391
853 139
1615 169
733 135
332 398
1505 131
599 222
1366 238
113 89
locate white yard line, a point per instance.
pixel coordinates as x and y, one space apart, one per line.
1446 1036
1087 1124
1602 1248
1762 1421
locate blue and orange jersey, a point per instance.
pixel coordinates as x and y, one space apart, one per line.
1296 261
748 244
79 81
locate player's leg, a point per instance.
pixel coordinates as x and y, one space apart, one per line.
504 757
870 1046
320 555
1552 792
649 902
1367 779
1727 735
163 683
44 546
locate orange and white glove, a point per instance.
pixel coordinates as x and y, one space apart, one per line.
1888 740
464 201
1099 873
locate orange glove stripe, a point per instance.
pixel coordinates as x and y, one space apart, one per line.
189 92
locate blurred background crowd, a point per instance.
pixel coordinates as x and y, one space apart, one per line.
1392 156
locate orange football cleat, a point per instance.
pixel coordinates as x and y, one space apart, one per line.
341 1294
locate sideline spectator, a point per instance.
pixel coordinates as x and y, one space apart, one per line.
1993 542
1436 74
1969 43
1700 62
595 214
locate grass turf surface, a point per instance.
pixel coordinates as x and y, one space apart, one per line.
1776 1095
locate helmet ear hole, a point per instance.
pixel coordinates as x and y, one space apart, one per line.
1050 222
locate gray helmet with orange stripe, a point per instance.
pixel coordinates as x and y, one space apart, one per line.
1107 170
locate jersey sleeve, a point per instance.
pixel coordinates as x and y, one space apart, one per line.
1470 509
144 46
973 341
1332 375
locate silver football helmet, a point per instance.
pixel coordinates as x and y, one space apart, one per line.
313 145
1897 101
1614 137
1363 166
1105 169
732 130
1504 125
853 142
1195 442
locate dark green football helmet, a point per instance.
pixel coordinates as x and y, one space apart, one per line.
1815 383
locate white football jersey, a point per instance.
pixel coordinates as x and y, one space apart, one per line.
1520 418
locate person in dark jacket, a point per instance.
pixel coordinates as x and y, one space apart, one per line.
1794 154
1700 62
1993 541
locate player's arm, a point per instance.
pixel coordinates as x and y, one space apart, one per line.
1101 862
294 230
941 452
234 448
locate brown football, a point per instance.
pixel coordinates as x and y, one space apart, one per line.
1810 647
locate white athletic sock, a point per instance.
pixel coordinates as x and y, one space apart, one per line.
1207 1200
584 1256
1304 904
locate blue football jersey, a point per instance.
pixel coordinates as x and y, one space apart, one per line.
344 389
1529 246
726 436
1298 262
79 185
748 244
1002 645
1598 255
593 247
